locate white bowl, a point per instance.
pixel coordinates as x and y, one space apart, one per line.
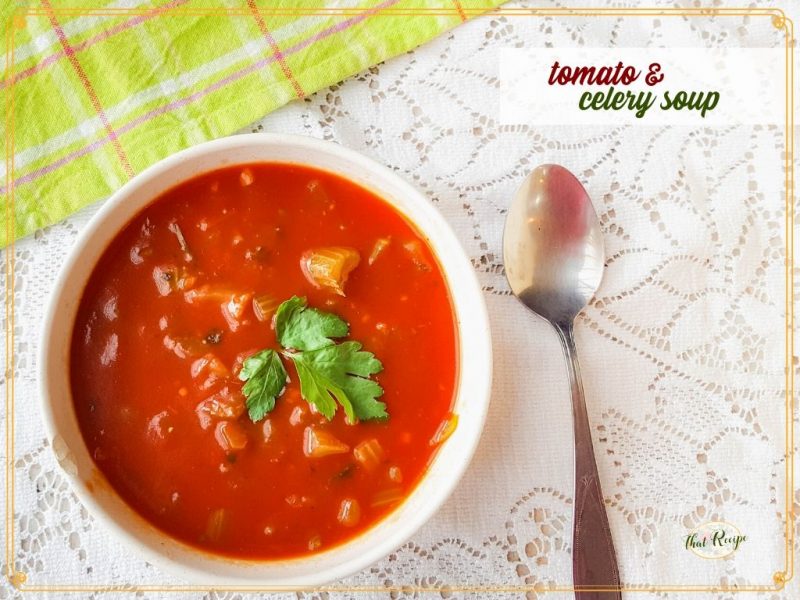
473 386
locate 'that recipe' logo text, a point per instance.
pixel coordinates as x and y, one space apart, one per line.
716 539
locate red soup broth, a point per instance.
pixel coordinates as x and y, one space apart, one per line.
140 351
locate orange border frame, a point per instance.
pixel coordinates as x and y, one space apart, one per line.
779 21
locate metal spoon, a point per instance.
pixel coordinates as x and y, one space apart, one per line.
553 254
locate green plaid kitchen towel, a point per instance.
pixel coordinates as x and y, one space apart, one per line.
98 94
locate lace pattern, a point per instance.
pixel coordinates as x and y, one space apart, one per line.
682 348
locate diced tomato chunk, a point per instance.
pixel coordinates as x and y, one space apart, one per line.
160 426
349 512
216 524
234 308
388 496
183 347
369 453
318 443
445 430
329 267
209 370
230 435
209 364
395 474
226 404
170 278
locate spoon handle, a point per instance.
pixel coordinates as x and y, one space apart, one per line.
594 561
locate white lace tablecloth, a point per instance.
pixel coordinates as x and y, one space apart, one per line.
682 350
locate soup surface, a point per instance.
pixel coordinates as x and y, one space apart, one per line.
181 310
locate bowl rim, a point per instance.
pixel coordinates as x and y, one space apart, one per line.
468 285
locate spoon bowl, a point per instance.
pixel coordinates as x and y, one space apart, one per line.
553 246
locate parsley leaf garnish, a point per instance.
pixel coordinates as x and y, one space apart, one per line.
345 368
320 391
265 378
330 374
341 372
304 328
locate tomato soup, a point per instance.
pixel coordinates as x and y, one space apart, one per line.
263 361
